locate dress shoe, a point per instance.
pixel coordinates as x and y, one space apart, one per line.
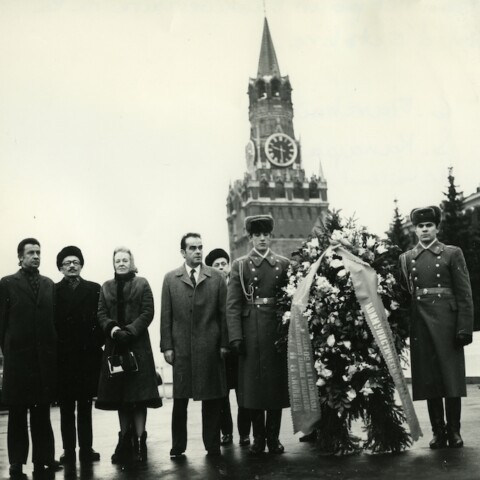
68 456
274 446
455 440
16 471
46 468
311 437
227 439
214 452
175 454
244 440
88 455
258 446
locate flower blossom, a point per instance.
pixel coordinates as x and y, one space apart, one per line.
331 340
286 317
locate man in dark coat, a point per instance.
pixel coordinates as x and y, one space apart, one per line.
79 354
194 341
441 325
29 345
253 330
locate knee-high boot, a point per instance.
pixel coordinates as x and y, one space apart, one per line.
435 412
259 432
274 419
453 410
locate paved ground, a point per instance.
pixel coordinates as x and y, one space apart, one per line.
300 461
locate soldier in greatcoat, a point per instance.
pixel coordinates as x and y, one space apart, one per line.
253 330
194 341
80 341
441 325
29 344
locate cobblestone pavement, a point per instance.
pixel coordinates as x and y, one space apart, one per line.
300 461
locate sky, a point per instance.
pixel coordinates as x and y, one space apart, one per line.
122 122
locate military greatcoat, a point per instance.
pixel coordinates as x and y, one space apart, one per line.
252 317
441 310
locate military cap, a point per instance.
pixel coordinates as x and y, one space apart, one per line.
259 224
426 214
215 254
70 251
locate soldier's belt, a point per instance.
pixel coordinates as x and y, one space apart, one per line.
264 301
434 291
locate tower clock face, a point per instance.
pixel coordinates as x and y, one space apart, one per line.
281 149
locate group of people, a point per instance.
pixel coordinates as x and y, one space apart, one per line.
74 340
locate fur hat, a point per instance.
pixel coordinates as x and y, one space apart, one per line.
426 214
70 251
215 254
259 224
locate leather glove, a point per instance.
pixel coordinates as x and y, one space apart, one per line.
122 337
238 347
463 339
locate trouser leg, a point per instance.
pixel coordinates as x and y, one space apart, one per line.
226 423
274 420
179 425
243 419
259 431
17 435
67 424
211 423
43 442
84 424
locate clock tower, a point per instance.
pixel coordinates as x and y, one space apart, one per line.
275 181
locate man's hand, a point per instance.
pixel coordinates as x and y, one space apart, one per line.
122 337
238 347
224 352
169 356
463 339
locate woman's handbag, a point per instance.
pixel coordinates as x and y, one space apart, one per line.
120 364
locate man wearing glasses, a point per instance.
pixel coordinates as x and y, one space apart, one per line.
79 354
194 341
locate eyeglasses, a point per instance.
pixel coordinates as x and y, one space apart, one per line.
71 262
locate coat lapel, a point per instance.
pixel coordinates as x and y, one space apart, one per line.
181 274
23 284
204 273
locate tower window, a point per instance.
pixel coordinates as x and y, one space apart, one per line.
313 189
264 188
279 190
297 189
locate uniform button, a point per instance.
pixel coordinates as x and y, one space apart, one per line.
439 295
413 261
438 285
258 306
277 268
439 257
256 278
438 275
258 296
416 278
437 265
418 298
253 269
256 288
414 269
276 276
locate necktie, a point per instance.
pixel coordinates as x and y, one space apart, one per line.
192 277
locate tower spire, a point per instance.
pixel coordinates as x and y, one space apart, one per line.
267 63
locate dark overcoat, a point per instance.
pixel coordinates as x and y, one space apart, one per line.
136 387
28 341
193 325
80 340
441 309
262 374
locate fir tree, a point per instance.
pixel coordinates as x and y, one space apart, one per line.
452 228
396 234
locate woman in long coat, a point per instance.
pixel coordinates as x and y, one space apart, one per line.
125 311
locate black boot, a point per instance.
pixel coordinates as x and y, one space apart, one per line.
274 419
453 407
259 433
435 412
140 448
124 449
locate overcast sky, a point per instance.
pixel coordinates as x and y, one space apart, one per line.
123 122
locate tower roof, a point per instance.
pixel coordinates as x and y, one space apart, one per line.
267 63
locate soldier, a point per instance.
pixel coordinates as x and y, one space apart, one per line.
80 341
252 327
441 325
